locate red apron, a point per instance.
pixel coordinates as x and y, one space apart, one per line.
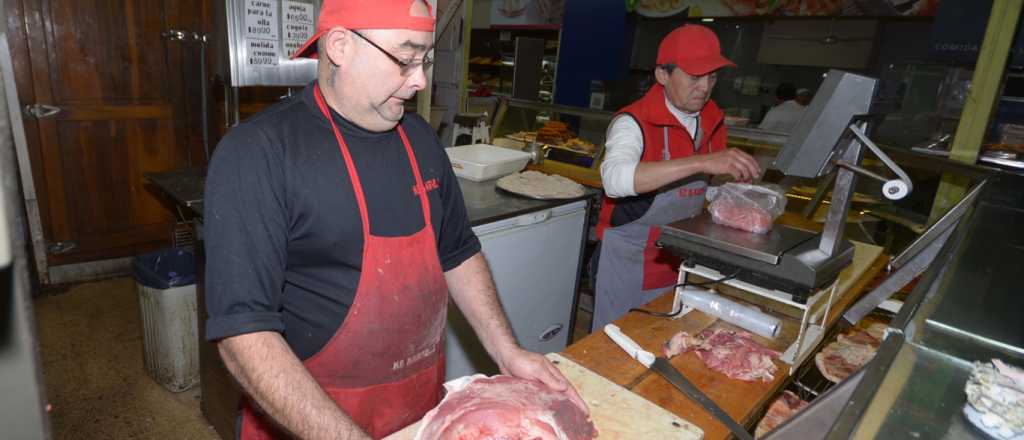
385 365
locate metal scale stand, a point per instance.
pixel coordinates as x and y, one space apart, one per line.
791 268
813 312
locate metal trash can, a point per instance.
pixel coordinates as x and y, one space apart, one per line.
166 284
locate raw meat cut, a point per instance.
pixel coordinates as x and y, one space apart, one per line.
751 208
680 343
849 352
746 217
734 354
504 407
781 410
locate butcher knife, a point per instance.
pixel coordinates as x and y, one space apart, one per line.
662 366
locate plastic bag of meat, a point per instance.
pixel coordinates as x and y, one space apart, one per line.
751 208
504 407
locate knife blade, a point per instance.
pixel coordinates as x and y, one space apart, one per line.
662 366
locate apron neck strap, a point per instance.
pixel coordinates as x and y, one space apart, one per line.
357 186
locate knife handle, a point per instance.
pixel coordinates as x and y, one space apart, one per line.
629 345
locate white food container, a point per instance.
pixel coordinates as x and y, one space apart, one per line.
479 162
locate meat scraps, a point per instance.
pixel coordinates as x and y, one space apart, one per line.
741 216
504 407
849 352
784 407
735 354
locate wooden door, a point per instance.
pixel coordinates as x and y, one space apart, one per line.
128 104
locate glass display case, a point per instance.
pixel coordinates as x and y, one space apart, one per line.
572 135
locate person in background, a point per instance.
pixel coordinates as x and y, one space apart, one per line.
335 232
804 96
787 113
658 155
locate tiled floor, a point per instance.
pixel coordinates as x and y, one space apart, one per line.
91 351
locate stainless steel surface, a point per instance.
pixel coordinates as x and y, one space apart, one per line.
758 135
983 291
807 152
946 222
674 377
1002 161
767 248
907 271
484 202
560 109
22 159
862 171
965 309
23 400
842 194
797 271
819 195
923 398
184 186
448 18
261 39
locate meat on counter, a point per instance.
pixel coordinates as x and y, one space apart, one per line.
498 407
784 407
735 354
849 352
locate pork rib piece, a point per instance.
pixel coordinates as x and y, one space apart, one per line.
735 354
504 407
781 410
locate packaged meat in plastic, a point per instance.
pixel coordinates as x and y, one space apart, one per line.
744 206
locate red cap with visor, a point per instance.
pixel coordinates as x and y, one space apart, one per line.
694 49
366 14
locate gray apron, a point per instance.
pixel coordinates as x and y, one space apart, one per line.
620 272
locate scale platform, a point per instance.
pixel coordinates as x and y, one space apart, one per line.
785 259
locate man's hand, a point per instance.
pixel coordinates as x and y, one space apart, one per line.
734 162
534 366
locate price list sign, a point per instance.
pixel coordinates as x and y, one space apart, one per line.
261 37
262 33
298 19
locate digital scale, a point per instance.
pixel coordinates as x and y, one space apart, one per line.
796 268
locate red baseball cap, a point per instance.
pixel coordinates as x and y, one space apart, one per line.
694 49
366 14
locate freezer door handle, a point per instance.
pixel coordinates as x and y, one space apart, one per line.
550 333
533 218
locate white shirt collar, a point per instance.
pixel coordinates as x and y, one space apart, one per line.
679 114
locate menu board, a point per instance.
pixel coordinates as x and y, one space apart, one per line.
263 34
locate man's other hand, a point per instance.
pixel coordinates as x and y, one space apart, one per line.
534 366
734 162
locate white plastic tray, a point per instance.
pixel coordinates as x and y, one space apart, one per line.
479 162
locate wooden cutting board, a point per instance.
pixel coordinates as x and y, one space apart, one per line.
617 412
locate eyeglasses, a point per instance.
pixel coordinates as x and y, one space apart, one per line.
406 68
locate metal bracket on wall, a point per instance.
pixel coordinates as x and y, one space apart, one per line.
60 247
40 111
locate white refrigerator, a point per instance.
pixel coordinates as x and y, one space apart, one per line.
535 259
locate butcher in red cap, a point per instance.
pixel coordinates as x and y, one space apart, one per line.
335 231
659 153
